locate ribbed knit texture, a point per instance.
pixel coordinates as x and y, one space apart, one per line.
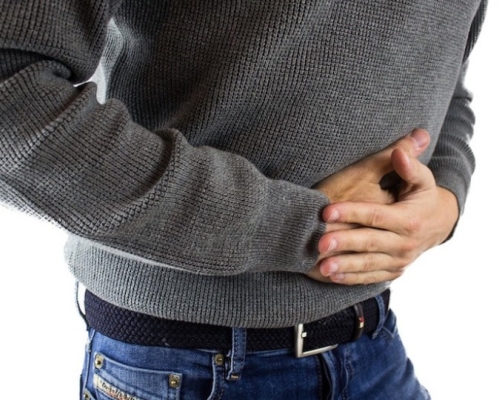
186 189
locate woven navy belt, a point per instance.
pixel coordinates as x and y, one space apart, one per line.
307 339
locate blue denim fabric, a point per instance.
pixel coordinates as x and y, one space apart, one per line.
374 367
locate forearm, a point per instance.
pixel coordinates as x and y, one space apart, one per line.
92 170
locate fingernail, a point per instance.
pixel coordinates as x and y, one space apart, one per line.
324 269
337 277
327 268
333 245
420 138
334 267
334 216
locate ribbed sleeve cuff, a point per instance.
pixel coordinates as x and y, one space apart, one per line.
291 218
455 181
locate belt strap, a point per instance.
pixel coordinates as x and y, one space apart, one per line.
142 329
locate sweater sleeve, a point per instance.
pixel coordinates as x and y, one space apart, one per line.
453 161
89 168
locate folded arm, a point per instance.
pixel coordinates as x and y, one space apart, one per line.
390 237
89 168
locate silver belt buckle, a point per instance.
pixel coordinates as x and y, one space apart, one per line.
299 344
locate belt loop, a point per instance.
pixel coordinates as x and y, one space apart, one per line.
77 301
382 314
237 354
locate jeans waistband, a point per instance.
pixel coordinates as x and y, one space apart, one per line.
136 328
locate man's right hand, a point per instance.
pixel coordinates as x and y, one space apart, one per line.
362 181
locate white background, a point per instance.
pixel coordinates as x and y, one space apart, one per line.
447 303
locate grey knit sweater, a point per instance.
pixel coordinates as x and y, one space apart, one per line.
184 176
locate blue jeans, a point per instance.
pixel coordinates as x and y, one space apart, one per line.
374 367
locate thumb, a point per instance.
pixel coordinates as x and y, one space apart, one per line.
403 166
415 143
411 171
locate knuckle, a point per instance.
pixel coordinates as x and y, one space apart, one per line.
404 261
413 226
408 248
370 244
398 143
374 217
406 143
369 263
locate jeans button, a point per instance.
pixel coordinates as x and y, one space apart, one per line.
219 359
98 361
174 381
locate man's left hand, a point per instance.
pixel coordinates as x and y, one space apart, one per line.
391 236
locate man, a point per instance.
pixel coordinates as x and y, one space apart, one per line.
197 196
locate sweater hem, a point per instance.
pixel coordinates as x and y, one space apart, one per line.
248 300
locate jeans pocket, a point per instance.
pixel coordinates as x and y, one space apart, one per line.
112 380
